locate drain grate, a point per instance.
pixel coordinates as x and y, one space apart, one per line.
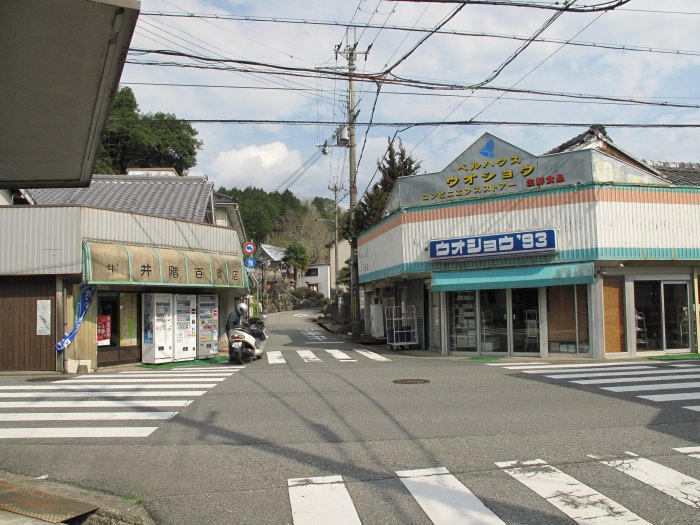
39 504
410 381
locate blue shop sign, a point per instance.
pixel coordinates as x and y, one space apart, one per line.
498 245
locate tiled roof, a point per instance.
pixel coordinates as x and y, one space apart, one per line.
270 252
679 173
593 134
185 198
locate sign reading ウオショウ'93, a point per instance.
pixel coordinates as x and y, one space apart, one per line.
494 245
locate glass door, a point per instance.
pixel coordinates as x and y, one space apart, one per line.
493 321
676 325
526 323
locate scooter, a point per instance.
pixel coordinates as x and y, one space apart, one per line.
245 342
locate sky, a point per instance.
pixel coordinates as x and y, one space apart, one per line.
645 54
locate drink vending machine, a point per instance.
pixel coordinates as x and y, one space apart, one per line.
157 328
208 328
185 327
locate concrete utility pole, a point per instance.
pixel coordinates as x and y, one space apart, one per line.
350 54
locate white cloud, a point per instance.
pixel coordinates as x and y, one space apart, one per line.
264 166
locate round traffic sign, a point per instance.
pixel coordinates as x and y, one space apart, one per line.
249 248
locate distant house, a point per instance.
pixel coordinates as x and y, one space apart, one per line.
316 277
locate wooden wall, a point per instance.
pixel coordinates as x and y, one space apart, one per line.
20 347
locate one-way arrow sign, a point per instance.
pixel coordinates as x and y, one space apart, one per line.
250 262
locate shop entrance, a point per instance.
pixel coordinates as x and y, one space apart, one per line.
661 316
495 322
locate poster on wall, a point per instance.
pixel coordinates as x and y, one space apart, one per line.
128 322
43 317
148 319
104 329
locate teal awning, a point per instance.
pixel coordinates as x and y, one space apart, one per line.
521 277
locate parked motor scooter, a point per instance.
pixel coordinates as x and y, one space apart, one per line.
246 341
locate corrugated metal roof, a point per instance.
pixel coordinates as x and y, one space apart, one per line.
185 198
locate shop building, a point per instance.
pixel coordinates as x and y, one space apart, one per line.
584 251
161 275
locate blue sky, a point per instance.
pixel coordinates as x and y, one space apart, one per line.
237 155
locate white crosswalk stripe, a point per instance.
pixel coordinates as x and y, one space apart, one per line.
129 396
278 357
677 485
445 500
321 500
575 499
671 379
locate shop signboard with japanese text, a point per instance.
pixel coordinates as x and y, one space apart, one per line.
495 245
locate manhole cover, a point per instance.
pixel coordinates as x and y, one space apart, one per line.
410 381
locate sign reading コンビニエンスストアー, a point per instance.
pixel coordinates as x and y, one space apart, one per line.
497 245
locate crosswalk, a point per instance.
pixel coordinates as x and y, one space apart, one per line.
656 382
446 500
106 405
276 357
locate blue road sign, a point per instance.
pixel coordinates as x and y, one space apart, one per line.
250 262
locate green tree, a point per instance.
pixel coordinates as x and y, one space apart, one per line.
396 163
144 140
295 256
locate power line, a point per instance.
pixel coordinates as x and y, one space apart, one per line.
604 5
424 123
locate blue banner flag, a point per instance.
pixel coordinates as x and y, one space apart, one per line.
87 293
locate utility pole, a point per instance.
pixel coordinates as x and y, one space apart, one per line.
350 54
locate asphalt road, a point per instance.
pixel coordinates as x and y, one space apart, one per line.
342 427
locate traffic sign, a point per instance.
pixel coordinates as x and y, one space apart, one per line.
250 262
249 248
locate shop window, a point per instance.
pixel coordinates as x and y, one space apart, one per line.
567 319
661 315
311 272
117 320
462 321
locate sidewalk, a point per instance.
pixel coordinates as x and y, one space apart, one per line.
37 497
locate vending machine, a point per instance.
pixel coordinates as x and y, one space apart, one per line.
208 327
157 328
185 348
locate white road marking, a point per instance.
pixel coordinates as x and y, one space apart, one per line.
641 388
85 416
684 365
517 364
579 365
598 370
122 386
308 356
575 499
135 381
341 356
691 451
671 482
75 432
99 393
198 375
95 404
618 374
613 380
696 408
371 355
321 500
672 397
274 357
444 499
187 370
324 342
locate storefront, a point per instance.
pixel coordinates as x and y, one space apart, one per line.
137 287
575 252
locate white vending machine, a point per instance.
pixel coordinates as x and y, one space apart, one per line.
208 327
157 328
185 327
